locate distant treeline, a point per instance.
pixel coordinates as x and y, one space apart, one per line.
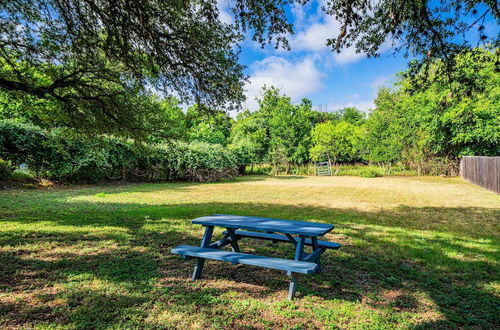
423 124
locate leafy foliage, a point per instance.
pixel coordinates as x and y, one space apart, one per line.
425 127
417 124
279 132
5 170
89 64
428 30
56 156
208 125
382 142
335 142
250 138
121 46
350 115
22 143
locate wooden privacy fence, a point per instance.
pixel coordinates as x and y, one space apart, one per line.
483 171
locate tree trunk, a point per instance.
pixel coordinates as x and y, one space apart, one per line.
330 165
337 170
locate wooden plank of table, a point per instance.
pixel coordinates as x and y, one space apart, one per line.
293 227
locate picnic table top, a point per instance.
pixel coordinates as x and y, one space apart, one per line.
265 224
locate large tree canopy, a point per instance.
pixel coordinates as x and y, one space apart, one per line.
94 59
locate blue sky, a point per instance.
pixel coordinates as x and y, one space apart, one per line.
331 81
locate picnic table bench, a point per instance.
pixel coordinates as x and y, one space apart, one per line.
276 230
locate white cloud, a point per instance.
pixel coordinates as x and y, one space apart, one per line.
294 78
363 105
224 12
299 14
313 38
312 32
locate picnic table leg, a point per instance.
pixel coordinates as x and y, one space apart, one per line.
234 240
315 247
299 254
299 249
293 286
205 242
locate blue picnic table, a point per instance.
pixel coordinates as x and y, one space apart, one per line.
298 233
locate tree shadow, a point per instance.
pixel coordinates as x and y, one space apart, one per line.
389 259
287 177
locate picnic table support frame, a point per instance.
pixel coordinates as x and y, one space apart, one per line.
315 248
293 286
234 240
307 263
225 240
205 242
291 239
299 255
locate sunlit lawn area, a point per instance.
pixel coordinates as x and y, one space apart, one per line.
417 252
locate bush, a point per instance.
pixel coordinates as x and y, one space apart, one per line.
22 176
56 156
369 174
80 160
195 161
259 169
5 170
200 161
437 166
349 169
22 143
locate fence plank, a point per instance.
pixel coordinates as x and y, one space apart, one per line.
483 171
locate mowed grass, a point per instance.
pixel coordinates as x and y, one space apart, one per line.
417 253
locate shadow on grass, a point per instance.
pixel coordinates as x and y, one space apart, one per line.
286 177
388 259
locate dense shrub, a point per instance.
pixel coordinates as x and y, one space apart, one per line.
200 161
56 156
80 160
195 161
22 143
22 176
5 170
259 169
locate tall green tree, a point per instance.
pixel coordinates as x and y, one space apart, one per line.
93 58
417 123
351 115
81 46
383 141
289 127
278 132
250 137
335 142
212 126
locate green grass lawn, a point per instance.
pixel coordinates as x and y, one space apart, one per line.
417 252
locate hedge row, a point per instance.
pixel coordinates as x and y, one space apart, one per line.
55 156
